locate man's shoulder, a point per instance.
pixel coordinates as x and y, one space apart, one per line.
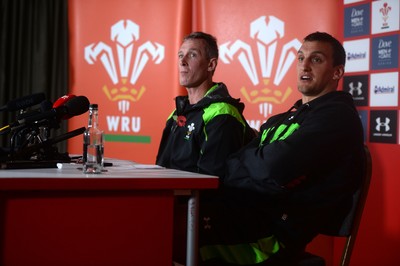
221 108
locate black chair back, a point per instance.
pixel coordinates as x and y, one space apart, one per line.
351 223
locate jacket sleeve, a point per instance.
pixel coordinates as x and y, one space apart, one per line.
222 136
327 134
162 157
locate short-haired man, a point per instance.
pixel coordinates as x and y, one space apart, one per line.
298 176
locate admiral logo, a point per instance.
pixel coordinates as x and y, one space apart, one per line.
356 56
383 90
273 67
124 69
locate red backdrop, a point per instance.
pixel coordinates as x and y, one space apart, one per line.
123 57
257 39
258 47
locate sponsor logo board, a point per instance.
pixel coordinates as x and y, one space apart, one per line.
384 89
358 87
383 126
357 55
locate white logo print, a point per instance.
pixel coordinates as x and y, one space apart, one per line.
124 34
190 129
354 88
267 36
380 124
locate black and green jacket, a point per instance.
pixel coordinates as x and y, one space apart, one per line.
295 180
200 137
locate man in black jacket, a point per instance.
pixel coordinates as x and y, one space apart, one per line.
207 124
298 176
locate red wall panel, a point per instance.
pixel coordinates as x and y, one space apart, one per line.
257 40
258 43
123 57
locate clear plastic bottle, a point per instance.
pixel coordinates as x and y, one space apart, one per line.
93 144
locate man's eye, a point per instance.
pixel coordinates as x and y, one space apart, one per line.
300 59
316 60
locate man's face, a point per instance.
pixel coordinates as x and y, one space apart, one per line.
316 73
194 67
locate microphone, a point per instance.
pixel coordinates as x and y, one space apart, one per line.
27 151
23 102
46 105
61 101
75 106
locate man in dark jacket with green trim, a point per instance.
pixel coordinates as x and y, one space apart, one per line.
297 178
207 124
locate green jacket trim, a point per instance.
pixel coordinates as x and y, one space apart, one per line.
242 254
221 108
277 135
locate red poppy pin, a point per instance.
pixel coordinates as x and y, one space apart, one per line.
180 121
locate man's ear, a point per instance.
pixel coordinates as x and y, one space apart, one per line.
212 64
339 72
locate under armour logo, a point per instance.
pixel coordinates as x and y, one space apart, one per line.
207 222
354 88
380 124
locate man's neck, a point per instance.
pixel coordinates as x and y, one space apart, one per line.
196 94
308 98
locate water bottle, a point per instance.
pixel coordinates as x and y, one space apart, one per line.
93 144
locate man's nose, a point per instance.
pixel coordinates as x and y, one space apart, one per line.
182 60
305 64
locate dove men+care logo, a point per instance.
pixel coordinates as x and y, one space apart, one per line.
385 52
266 60
357 20
124 60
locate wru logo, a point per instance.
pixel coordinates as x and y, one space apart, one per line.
267 36
124 34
